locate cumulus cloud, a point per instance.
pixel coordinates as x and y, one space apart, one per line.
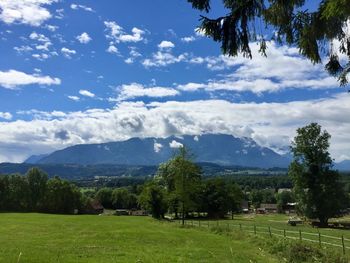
82 7
163 59
12 79
75 98
188 39
5 115
157 147
166 44
134 54
270 124
30 12
112 49
84 38
175 145
68 52
117 34
283 68
86 93
135 90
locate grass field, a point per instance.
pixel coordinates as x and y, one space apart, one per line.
278 223
57 238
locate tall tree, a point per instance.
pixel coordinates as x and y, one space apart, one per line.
153 199
315 32
37 187
62 197
220 197
182 178
317 187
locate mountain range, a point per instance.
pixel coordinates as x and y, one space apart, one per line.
211 148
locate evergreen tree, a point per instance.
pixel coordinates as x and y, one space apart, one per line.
313 32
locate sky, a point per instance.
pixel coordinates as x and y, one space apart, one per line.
74 72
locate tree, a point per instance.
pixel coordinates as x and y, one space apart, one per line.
283 199
104 196
153 199
220 197
18 193
37 187
62 197
317 187
315 33
182 178
4 193
123 199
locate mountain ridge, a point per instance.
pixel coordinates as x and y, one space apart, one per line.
221 149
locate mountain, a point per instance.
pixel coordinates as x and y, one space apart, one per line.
343 166
35 158
212 148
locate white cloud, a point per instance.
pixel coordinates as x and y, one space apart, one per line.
84 38
117 34
175 145
270 124
112 49
82 7
51 28
23 49
12 79
134 54
6 115
39 37
157 147
188 39
163 59
40 57
283 68
30 12
75 98
68 52
135 90
86 93
166 44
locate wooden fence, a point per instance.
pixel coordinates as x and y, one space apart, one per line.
319 238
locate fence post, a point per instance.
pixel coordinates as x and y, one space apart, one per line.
342 241
319 239
240 227
300 235
255 229
284 233
270 231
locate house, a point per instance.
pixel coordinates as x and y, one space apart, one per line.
138 213
281 190
245 206
290 208
269 208
93 207
121 212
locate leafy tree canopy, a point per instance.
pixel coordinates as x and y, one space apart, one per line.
317 187
318 33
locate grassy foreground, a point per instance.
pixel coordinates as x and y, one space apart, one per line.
59 238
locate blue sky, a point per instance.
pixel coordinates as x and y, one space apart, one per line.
94 71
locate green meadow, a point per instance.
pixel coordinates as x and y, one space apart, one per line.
61 238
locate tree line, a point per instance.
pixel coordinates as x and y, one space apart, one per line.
34 192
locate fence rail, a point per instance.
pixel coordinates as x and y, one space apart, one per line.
319 238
